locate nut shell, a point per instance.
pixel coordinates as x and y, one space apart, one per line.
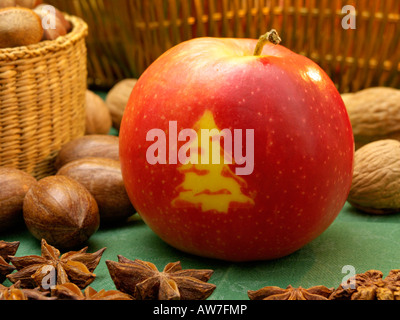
20 3
7 3
103 178
118 98
14 184
101 146
98 117
28 3
61 211
59 15
19 27
51 33
374 114
376 179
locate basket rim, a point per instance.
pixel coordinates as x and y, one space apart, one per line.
80 30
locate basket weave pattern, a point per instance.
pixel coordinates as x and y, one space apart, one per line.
42 100
128 35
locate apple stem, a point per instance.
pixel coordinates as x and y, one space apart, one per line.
270 37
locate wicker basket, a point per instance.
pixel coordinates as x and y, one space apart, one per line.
130 34
42 100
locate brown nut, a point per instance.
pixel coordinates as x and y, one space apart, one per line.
98 117
28 3
103 178
61 211
54 33
19 27
53 20
376 179
53 26
45 7
14 184
118 98
374 114
8 3
20 3
101 146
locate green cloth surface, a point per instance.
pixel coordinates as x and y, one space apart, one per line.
360 240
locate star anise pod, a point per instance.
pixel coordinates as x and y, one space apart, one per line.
70 291
7 249
370 286
290 293
16 293
74 266
143 281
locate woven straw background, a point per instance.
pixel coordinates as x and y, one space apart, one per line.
127 35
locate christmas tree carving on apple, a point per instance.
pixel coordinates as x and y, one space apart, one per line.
209 182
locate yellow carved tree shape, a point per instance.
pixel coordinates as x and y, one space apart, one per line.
212 186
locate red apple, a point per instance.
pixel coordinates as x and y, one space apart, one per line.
292 180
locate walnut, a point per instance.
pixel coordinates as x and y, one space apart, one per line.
376 178
374 114
370 286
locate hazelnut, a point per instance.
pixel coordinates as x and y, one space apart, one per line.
103 178
67 25
7 3
20 3
118 98
28 3
61 211
103 146
50 32
14 184
62 25
19 27
98 117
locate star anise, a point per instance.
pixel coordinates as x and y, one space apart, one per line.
143 281
370 286
16 293
290 293
49 268
70 291
7 249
